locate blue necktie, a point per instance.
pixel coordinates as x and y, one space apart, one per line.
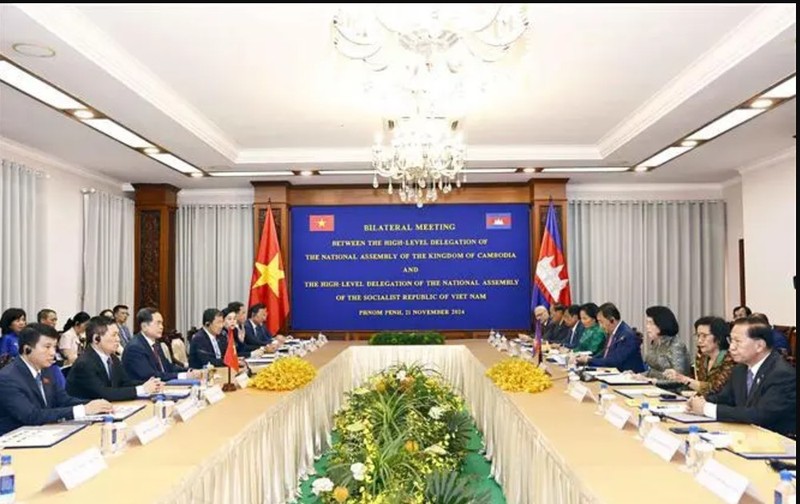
41 387
108 367
750 379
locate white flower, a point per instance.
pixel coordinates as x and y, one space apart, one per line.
358 426
401 375
360 391
359 470
436 449
321 485
436 412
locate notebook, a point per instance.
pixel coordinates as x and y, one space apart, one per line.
40 436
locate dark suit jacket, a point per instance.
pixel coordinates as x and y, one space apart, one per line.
558 332
243 349
772 400
201 351
21 401
260 336
125 335
141 364
88 378
572 340
624 353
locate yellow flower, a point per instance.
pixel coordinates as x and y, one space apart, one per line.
340 494
289 373
380 386
517 375
411 446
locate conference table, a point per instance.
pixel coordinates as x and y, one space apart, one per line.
254 446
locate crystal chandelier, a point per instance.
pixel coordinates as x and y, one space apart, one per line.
422 156
432 57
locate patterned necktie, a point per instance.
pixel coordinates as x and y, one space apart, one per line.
108 367
608 346
214 343
41 387
158 358
750 379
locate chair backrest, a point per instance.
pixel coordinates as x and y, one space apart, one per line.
791 336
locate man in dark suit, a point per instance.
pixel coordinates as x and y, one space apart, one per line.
143 357
622 349
98 372
242 348
120 318
542 316
559 331
762 389
28 392
206 346
255 333
572 321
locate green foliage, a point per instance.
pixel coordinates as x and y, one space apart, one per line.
449 488
459 423
412 338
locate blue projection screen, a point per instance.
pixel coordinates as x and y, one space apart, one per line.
444 267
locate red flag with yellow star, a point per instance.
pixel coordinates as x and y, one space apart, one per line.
268 284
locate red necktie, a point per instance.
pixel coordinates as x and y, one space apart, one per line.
608 345
158 359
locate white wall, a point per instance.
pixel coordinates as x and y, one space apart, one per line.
732 193
60 208
769 204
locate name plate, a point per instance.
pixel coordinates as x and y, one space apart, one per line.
662 443
617 416
579 392
241 380
725 483
79 469
149 430
186 410
214 394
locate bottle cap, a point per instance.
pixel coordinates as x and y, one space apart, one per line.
693 429
108 419
5 460
645 405
786 475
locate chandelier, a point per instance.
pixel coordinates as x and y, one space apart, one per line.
432 57
422 156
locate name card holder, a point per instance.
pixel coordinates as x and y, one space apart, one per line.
579 392
241 380
617 416
214 394
725 483
149 430
662 443
79 469
185 410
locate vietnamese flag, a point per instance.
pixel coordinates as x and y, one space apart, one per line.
268 283
320 223
230 359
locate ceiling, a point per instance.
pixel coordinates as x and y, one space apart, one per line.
260 87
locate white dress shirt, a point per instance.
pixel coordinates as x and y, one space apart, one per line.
78 412
710 409
107 364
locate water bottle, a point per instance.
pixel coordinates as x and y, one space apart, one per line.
159 409
691 440
644 411
8 492
195 393
108 436
785 492
603 391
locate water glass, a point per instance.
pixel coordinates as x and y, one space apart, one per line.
606 399
650 422
703 453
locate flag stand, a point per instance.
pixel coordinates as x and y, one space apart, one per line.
229 387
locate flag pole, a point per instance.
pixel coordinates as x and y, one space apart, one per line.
229 387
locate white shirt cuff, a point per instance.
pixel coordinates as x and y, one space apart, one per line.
140 392
710 410
78 412
183 376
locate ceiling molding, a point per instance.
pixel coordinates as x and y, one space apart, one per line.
509 153
232 196
752 34
733 181
71 26
39 160
789 154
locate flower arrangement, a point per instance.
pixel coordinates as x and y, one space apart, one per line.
289 373
413 338
402 437
517 375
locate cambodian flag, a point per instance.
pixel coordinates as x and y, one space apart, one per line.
498 221
551 280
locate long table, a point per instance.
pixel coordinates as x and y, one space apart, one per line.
254 445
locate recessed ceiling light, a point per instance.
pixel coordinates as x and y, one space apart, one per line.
490 170
728 121
34 50
585 169
641 168
306 173
762 103
689 143
196 174
345 172
664 156
175 162
280 173
83 114
151 150
118 133
786 89
529 170
35 87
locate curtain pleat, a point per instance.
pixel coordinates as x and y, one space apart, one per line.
642 253
214 259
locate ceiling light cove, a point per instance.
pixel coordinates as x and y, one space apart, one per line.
277 173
